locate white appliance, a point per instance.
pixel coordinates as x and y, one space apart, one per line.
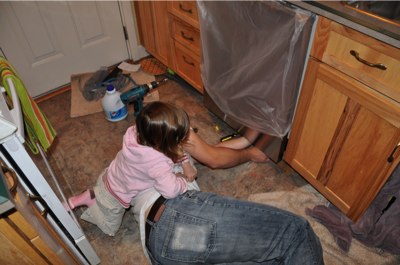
13 153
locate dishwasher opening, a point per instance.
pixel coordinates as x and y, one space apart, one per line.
253 58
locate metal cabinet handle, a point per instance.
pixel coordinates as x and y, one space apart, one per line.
186 37
14 177
185 10
40 199
187 61
376 65
391 158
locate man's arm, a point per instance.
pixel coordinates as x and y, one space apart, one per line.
220 157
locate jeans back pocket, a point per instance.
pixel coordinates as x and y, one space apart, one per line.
189 238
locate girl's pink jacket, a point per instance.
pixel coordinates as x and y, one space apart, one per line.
137 167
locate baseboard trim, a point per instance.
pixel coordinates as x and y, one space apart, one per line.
53 93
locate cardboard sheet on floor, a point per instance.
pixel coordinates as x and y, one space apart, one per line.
81 107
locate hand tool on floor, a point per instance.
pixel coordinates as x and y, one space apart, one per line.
137 94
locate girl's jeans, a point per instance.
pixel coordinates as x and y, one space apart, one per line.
204 228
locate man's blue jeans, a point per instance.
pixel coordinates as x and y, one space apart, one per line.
204 228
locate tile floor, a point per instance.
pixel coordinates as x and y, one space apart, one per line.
86 145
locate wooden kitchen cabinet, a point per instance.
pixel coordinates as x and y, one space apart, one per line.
169 30
16 246
185 41
21 241
346 131
152 19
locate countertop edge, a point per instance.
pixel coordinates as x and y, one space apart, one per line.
370 32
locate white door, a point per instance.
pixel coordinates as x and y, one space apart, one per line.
47 41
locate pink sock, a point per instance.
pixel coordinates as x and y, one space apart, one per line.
86 198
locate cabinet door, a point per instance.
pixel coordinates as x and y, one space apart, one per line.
342 136
152 18
15 249
26 235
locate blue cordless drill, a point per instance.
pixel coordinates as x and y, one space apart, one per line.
137 93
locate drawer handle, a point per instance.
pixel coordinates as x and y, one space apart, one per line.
391 158
43 203
185 10
187 61
11 173
376 65
186 37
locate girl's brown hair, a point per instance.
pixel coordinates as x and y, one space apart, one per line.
163 127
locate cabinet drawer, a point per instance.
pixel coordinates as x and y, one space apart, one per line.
188 66
338 46
186 10
186 34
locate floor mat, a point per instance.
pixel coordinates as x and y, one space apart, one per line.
153 66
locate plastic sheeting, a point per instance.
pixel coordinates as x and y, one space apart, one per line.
253 56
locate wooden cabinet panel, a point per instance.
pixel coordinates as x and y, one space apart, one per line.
185 41
346 132
185 34
26 235
170 32
25 227
342 136
152 19
145 22
14 248
185 10
188 66
319 126
363 157
162 34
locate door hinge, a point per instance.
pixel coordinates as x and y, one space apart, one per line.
125 32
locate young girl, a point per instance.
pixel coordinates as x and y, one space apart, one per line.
151 149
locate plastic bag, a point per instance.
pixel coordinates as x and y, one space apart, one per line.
253 56
96 86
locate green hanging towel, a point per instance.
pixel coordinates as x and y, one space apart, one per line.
37 127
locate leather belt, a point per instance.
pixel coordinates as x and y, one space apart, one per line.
154 215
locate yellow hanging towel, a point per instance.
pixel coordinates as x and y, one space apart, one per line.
37 127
